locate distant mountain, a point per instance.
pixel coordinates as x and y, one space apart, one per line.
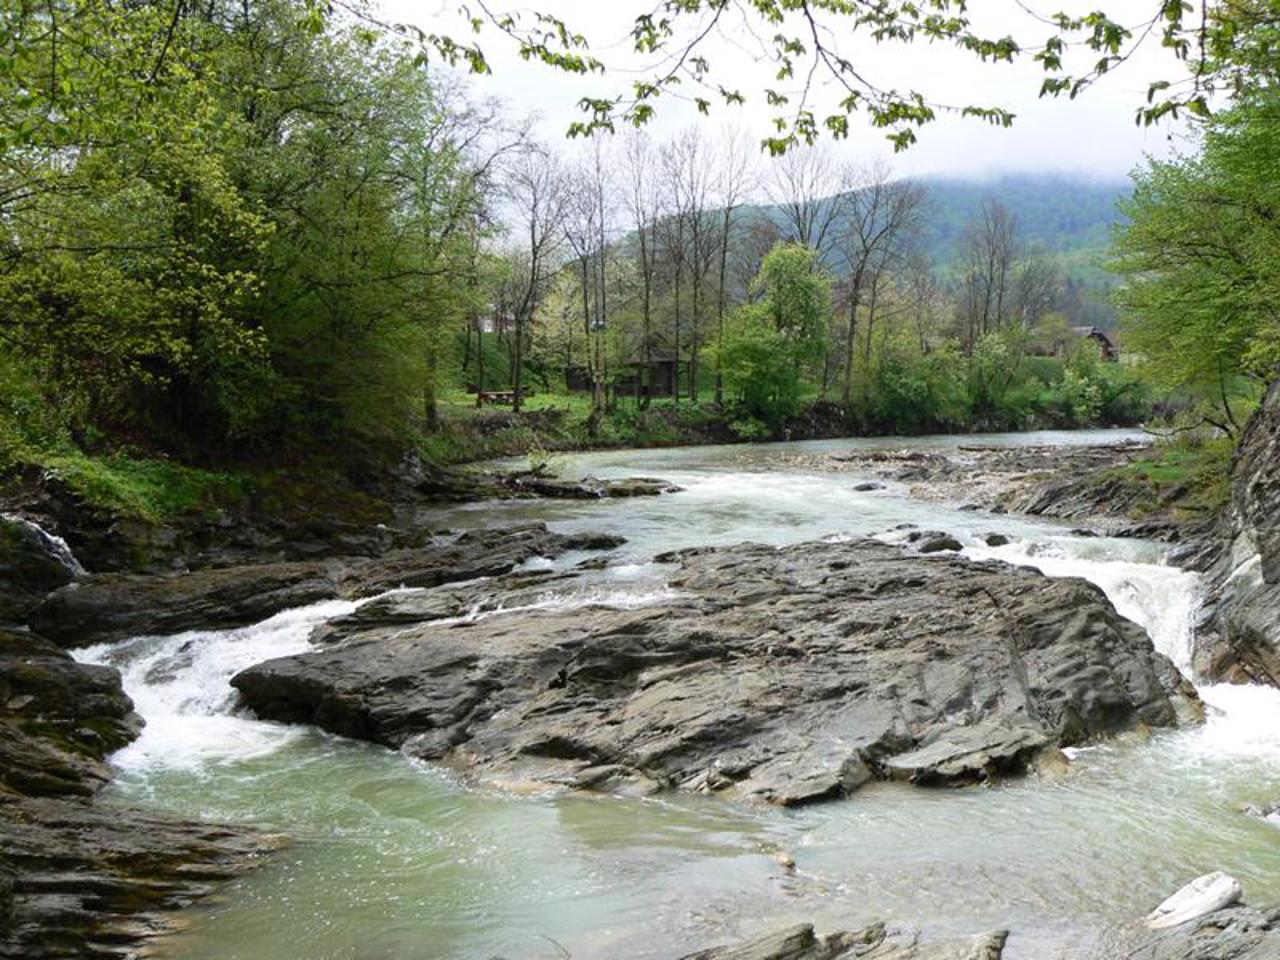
1067 216
1070 218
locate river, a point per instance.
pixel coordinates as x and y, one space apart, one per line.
394 859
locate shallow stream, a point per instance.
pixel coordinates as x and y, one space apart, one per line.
394 859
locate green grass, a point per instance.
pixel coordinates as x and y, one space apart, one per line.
145 489
1190 478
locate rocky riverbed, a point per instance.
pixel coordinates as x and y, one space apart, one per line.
770 676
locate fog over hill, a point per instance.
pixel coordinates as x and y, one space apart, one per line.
1067 217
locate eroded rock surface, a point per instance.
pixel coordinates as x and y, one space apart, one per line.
80 880
1235 933
1238 635
789 675
112 607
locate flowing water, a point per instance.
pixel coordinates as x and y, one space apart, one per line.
395 859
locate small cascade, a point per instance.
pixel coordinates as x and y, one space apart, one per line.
51 544
1162 599
181 685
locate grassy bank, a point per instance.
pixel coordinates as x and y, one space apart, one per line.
1184 479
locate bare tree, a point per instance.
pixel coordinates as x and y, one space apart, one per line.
688 165
735 181
1037 288
924 295
810 188
990 249
645 209
883 217
536 188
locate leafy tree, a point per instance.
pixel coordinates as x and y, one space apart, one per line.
1202 279
772 341
802 39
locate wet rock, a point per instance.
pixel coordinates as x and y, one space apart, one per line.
1238 635
868 486
801 943
58 719
112 607
28 570
933 541
996 540
88 880
1237 932
538 483
593 541
788 675
78 879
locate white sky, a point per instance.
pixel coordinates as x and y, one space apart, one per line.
1094 135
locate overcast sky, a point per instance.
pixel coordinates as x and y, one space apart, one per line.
1094 135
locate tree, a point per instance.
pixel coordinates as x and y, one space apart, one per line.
773 340
883 216
802 38
989 251
1201 298
734 181
538 191
644 206
811 190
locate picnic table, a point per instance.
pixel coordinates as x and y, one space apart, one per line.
506 398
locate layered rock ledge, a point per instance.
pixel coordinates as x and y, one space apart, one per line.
1238 633
787 675
110 607
77 879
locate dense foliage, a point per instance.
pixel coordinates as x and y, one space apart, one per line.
229 226
1200 263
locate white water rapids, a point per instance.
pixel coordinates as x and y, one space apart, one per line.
399 860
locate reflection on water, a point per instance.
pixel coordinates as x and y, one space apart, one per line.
399 860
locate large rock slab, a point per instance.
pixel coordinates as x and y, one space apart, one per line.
112 607
789 675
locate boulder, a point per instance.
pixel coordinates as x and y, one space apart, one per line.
58 719
30 567
787 675
1204 894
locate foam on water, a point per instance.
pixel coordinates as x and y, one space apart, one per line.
181 685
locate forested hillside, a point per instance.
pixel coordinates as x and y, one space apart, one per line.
1069 219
